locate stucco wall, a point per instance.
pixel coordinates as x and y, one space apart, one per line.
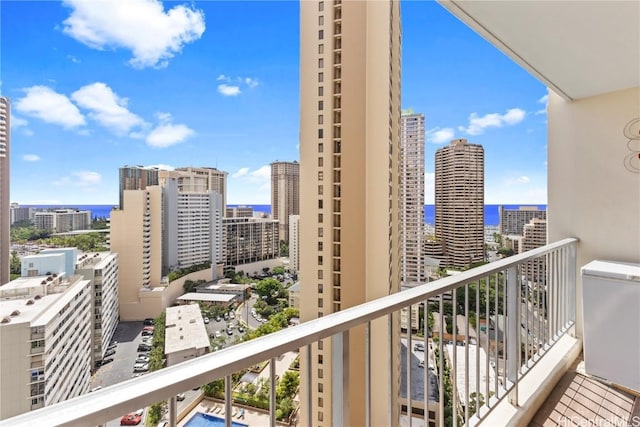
591 194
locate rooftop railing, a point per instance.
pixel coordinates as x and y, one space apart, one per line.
491 325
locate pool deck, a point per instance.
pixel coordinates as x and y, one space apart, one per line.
211 407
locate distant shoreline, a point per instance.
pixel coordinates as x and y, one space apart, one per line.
491 212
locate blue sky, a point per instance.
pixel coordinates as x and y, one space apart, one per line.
98 85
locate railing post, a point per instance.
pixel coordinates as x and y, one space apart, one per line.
572 285
227 401
273 383
513 320
340 389
173 411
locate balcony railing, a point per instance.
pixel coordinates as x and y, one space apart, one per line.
518 306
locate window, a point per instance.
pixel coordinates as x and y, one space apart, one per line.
320 133
320 176
320 190
320 91
321 20
320 246
320 301
320 77
321 63
320 6
320 360
320 34
320 260
320 119
320 218
319 288
320 400
321 48
320 372
320 147
320 387
320 105
320 231
320 162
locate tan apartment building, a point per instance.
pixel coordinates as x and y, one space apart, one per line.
459 207
136 178
136 236
534 236
349 218
240 212
63 220
411 198
285 194
5 145
45 340
512 221
294 243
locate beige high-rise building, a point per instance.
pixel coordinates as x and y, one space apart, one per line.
136 236
294 243
349 219
136 178
411 198
285 194
459 188
534 236
5 217
512 221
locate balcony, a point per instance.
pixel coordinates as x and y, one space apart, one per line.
512 340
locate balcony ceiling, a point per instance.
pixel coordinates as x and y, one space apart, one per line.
577 48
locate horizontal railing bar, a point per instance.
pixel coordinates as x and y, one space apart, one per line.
121 398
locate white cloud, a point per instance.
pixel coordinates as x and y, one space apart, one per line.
439 136
260 178
73 59
251 82
545 101
232 86
477 125
164 117
106 108
166 135
523 179
31 158
142 26
46 104
240 172
17 122
162 167
228 90
84 179
429 188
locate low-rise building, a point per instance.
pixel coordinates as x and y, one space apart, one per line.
185 334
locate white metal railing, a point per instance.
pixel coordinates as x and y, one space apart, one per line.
519 305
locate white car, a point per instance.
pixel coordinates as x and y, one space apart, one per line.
141 367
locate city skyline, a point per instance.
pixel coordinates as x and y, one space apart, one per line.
88 99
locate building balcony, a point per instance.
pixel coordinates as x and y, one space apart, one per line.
512 339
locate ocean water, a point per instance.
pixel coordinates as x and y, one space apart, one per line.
491 212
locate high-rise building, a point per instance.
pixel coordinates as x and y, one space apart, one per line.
459 207
411 198
200 180
294 243
136 236
512 221
349 151
136 178
534 236
240 212
5 145
285 194
21 213
248 240
45 336
192 226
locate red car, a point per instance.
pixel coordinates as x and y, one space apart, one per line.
130 420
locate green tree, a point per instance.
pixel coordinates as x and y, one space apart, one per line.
155 413
288 385
284 249
14 263
270 290
279 269
214 389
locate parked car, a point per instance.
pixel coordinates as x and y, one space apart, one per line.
218 318
240 329
144 347
218 334
181 397
144 359
130 420
231 315
229 331
148 322
109 352
147 333
148 328
141 367
418 346
205 319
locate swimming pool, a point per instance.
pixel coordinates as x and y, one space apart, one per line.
205 420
